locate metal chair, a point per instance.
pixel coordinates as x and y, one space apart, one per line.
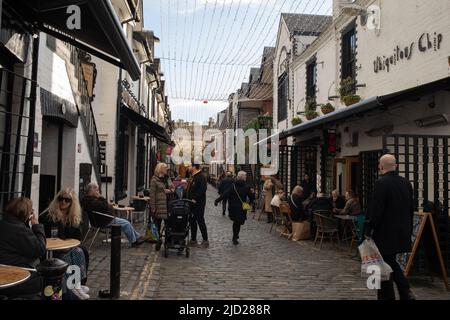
140 208
358 231
98 221
327 228
259 206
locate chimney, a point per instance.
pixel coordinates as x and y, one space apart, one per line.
337 7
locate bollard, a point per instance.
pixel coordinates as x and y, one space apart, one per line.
114 285
52 272
115 261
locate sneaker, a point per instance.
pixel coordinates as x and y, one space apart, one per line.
235 242
193 243
80 294
205 244
85 289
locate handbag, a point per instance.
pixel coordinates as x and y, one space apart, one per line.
245 205
152 234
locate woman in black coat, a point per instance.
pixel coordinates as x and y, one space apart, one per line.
22 245
295 201
236 196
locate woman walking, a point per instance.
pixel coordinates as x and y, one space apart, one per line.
237 196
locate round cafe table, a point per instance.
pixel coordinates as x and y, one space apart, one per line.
11 276
55 244
127 210
140 198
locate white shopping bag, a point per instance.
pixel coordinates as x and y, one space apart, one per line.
370 256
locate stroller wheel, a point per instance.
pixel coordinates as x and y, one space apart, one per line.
158 246
166 252
188 252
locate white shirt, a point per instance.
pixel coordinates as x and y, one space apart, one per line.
276 201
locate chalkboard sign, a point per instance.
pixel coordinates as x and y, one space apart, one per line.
424 232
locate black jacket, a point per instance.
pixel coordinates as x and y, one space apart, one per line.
234 203
197 186
64 231
21 245
391 214
321 203
339 203
225 184
297 209
308 188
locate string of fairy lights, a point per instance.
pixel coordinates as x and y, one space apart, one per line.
208 47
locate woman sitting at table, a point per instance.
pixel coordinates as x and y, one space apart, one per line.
352 207
296 204
22 245
64 214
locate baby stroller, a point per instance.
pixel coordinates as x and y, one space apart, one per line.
176 228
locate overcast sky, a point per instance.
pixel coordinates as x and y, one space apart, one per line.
208 46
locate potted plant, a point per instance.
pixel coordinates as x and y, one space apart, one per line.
347 92
327 108
311 114
351 99
296 121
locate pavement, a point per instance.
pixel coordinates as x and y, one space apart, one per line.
263 266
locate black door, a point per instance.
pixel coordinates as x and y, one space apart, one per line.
47 191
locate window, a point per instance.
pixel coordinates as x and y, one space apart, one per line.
51 43
349 55
283 91
140 170
311 80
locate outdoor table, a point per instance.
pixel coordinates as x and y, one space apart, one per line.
347 223
11 276
56 244
127 210
140 198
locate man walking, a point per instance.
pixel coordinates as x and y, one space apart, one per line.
391 222
196 191
225 184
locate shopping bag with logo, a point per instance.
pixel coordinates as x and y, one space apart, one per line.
371 260
152 234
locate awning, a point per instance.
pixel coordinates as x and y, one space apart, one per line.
146 124
368 105
101 32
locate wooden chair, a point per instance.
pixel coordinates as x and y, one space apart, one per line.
286 218
327 228
276 218
259 207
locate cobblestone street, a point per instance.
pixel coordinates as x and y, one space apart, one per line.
262 266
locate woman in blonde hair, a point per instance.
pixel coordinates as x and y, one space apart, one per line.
159 189
64 215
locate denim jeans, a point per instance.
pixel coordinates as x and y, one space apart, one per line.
131 234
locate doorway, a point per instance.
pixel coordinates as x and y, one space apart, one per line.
346 174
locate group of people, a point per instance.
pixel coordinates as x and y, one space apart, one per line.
23 234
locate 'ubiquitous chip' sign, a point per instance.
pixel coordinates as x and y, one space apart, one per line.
426 42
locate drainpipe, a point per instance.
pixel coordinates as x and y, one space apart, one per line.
26 187
116 154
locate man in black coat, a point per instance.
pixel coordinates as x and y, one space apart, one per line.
196 191
391 223
225 184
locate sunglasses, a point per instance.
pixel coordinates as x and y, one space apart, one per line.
68 200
